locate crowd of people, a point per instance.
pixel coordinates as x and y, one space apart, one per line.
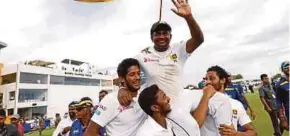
275 99
162 107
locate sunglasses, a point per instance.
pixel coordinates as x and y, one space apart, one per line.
80 108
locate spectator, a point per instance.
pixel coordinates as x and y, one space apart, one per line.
283 95
83 115
40 125
57 119
7 129
268 99
15 120
65 125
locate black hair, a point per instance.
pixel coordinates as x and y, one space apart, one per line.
73 103
222 73
2 112
263 75
104 91
123 67
147 98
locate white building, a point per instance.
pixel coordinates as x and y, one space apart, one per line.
2 45
46 90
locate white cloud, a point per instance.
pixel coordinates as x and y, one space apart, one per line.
247 37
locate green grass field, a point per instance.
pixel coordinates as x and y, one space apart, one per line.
262 123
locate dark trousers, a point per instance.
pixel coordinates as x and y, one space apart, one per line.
275 122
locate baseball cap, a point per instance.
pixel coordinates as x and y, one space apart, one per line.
15 116
285 65
160 25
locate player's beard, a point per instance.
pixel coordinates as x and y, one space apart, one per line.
130 87
218 87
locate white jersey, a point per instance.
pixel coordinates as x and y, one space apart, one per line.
119 120
240 115
63 124
152 128
219 112
164 68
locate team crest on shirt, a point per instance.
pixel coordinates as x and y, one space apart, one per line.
235 112
173 57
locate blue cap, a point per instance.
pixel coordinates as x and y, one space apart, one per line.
285 65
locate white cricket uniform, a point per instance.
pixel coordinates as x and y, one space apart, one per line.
164 68
152 128
240 115
219 112
119 120
63 124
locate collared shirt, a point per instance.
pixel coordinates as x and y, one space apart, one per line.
235 92
77 129
164 68
117 119
152 128
219 110
240 115
268 93
63 124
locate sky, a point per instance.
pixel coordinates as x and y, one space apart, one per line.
243 36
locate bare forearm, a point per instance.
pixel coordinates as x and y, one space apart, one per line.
246 133
200 112
264 102
196 34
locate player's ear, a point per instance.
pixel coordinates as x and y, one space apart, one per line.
155 108
223 81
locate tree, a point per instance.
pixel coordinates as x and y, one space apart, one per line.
238 76
277 76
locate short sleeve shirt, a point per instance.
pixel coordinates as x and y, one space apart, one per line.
164 70
117 119
240 115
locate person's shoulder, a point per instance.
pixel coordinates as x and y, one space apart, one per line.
236 103
110 99
179 43
282 82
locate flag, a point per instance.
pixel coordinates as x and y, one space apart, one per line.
94 1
